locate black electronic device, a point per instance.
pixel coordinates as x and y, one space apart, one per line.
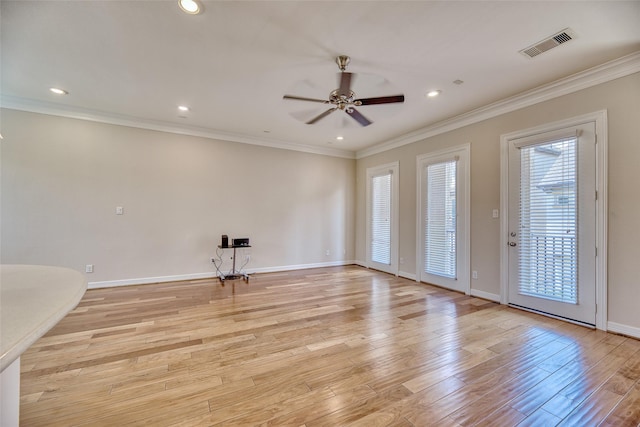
241 242
225 241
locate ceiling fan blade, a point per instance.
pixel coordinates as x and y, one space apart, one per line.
381 100
302 98
359 117
345 84
321 116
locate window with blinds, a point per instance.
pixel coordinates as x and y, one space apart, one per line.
440 219
381 218
548 250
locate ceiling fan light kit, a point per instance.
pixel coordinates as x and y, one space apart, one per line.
344 99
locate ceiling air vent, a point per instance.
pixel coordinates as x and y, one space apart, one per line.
548 43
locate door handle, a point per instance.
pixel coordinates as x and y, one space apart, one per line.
512 243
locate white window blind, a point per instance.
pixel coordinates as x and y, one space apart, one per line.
548 250
440 220
381 218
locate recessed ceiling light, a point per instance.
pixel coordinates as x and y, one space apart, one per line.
433 93
189 6
183 108
58 91
339 138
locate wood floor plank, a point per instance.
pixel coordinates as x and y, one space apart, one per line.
627 412
326 346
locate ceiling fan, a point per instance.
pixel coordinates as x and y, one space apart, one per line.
344 98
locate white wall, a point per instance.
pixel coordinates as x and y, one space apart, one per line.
621 98
63 178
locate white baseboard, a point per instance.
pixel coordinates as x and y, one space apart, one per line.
149 280
209 275
619 328
299 267
410 276
404 274
485 295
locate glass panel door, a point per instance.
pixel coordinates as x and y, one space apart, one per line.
552 223
382 217
443 218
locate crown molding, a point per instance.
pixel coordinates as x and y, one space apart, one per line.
608 71
54 109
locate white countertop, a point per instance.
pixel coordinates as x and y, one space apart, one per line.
33 298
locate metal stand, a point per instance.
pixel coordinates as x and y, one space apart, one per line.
233 275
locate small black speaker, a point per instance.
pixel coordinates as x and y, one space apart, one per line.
241 242
225 241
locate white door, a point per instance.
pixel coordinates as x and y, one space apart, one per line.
382 218
443 219
551 223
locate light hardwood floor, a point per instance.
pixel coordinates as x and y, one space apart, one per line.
324 347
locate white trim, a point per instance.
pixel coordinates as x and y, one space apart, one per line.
360 263
608 71
600 120
149 280
485 295
211 275
299 267
619 328
552 316
603 73
504 223
602 217
409 276
54 109
10 392
371 172
464 151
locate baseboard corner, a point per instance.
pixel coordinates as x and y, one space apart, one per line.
619 328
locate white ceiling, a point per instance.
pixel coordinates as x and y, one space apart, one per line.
136 61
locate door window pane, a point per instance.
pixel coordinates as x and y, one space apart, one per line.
440 220
381 219
548 221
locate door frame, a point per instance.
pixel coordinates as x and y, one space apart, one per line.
600 120
394 168
464 216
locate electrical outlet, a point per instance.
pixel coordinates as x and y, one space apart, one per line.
247 257
474 274
88 268
496 213
119 210
328 252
